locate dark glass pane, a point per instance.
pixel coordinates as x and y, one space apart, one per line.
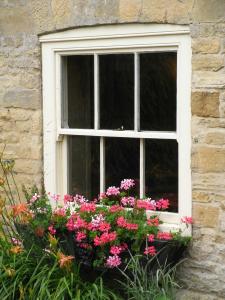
80 78
116 91
162 170
122 161
84 166
158 82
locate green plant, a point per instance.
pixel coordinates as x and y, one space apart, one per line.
142 284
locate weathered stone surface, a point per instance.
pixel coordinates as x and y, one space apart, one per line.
159 11
206 215
206 45
206 197
208 79
208 159
21 98
205 104
215 138
207 62
129 10
208 11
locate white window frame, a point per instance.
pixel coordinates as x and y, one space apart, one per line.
134 38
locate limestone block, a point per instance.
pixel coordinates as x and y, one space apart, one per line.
207 196
213 181
206 45
206 215
215 138
28 166
159 11
207 62
208 11
61 10
205 104
208 79
22 98
208 159
129 10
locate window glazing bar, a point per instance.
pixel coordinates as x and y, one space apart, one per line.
96 92
102 164
142 168
168 135
136 92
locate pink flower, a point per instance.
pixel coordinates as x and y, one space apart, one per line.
123 246
16 242
113 261
115 250
88 207
131 226
85 246
153 222
68 198
52 230
128 201
61 212
146 204
55 197
164 236
34 198
105 238
102 196
113 191
126 184
80 236
96 221
151 238
150 251
163 204
74 223
187 220
121 222
115 208
79 199
104 226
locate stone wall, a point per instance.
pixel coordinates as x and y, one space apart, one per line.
21 21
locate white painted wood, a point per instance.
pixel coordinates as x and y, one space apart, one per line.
96 92
136 92
142 168
115 32
64 93
120 133
129 38
102 164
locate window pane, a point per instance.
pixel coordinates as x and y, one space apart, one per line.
80 78
84 166
162 170
158 76
116 91
122 161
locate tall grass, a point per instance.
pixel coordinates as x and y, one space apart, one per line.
142 284
25 277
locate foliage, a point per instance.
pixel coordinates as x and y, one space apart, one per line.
37 242
141 284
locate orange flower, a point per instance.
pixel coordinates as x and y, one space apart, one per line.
65 261
16 250
19 209
39 231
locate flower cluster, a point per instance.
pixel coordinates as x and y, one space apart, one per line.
105 229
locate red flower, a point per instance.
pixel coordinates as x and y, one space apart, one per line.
164 236
150 251
88 207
